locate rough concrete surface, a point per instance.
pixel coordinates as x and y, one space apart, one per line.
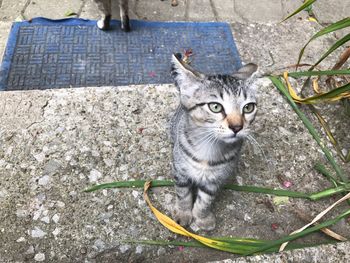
56 143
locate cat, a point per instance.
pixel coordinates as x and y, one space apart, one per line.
105 6
207 132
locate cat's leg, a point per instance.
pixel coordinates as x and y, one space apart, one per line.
202 214
124 15
105 6
184 201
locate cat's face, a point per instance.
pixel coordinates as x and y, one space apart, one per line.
222 105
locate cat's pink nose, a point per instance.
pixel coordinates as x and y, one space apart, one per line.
236 128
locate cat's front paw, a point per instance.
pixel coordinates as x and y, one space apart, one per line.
182 217
103 24
207 223
125 24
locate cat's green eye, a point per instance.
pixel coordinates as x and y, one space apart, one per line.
215 107
249 108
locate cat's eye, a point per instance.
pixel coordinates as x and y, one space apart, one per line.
249 108
215 107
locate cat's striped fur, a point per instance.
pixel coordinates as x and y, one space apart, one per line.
207 131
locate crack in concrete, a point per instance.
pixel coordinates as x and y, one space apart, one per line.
135 9
42 114
215 12
24 9
83 3
238 13
187 3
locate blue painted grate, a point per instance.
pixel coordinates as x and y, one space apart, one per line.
45 54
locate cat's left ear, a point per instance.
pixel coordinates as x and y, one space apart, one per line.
182 72
246 71
187 80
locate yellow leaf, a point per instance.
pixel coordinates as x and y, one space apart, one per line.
312 19
290 89
176 228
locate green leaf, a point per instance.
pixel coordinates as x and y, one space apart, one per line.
300 234
263 190
129 184
331 28
319 73
336 45
70 13
248 246
279 85
301 8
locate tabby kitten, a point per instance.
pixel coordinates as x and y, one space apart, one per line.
105 6
207 131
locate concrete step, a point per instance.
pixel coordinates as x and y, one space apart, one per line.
56 143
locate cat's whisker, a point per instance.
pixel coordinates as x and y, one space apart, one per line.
254 142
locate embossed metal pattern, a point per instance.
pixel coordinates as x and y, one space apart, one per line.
45 54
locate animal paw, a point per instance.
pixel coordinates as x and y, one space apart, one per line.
104 23
125 24
182 217
207 223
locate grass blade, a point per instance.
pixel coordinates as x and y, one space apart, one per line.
331 28
129 184
279 85
318 218
319 73
322 170
301 8
200 245
255 189
336 45
251 189
300 234
161 183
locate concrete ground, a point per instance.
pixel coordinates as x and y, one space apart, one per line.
55 143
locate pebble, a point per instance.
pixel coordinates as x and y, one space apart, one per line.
21 239
39 257
94 176
56 218
56 231
60 204
44 180
39 157
135 193
45 219
37 232
124 248
139 249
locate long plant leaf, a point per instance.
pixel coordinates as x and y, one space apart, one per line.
279 85
300 234
331 28
319 73
129 184
335 94
200 245
255 189
251 189
176 228
335 46
317 218
306 4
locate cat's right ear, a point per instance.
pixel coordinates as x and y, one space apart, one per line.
246 71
